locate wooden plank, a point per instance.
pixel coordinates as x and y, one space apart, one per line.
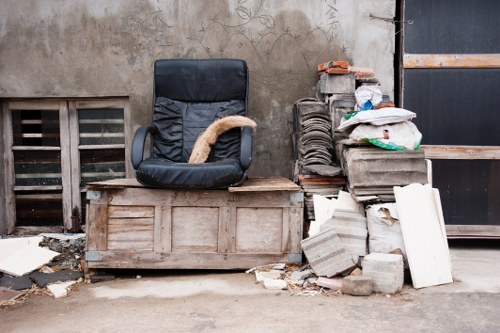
129 134
131 233
264 184
227 230
461 152
292 230
100 104
163 229
44 196
423 233
23 231
70 179
173 260
259 230
209 198
130 211
53 105
9 182
35 148
94 147
473 231
451 60
97 229
38 188
195 229
115 183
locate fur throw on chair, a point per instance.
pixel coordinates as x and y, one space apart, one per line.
207 139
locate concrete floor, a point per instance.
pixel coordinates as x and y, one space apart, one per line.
207 301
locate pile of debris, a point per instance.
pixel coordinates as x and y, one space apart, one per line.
48 263
379 214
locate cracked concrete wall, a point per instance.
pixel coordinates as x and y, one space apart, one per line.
107 48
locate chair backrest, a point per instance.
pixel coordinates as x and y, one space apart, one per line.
189 94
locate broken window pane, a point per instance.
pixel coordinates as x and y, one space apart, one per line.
36 128
36 208
101 126
98 165
37 168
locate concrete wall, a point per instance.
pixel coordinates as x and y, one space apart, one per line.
94 48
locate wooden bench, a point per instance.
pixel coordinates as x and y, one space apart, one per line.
131 226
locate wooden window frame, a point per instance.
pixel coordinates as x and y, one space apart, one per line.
69 149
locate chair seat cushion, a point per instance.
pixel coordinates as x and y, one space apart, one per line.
159 172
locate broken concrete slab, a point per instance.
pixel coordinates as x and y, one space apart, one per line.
330 283
42 279
357 285
327 254
60 289
385 270
424 234
323 210
300 275
16 283
260 276
19 256
384 228
346 202
274 284
352 231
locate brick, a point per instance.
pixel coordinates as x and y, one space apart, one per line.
326 254
385 270
357 285
333 284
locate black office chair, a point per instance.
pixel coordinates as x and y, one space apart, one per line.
189 95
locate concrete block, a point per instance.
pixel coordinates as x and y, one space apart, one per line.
357 285
352 231
260 276
274 284
327 254
340 105
337 84
385 270
333 284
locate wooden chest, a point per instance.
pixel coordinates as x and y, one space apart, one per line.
131 226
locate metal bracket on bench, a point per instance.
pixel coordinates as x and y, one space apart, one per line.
93 256
295 258
297 197
93 195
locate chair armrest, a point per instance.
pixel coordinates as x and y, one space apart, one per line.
138 144
246 147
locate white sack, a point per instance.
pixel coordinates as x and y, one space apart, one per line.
377 117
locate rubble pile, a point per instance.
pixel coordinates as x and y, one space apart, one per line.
356 233
48 263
